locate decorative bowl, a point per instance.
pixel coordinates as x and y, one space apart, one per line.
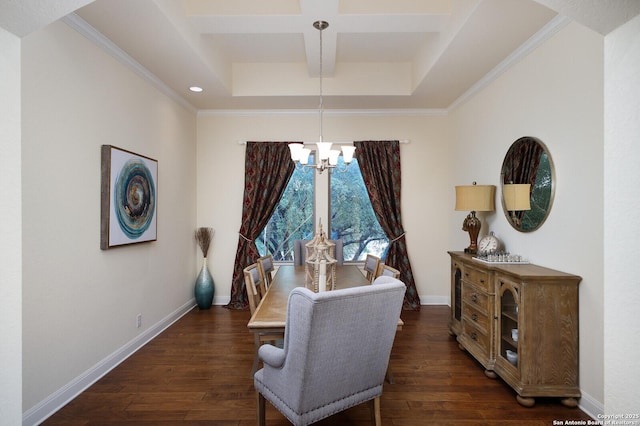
512 357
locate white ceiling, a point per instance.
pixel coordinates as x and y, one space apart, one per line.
377 54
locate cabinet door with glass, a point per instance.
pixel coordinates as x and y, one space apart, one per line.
508 335
455 323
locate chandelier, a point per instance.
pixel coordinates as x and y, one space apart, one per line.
327 158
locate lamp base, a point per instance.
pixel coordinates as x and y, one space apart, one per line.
472 225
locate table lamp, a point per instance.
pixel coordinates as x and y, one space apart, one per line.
474 198
517 198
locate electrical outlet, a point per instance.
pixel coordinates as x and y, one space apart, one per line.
138 320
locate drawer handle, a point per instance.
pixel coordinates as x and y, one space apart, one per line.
474 317
474 297
482 281
474 336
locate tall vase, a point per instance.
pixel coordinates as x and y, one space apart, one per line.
204 287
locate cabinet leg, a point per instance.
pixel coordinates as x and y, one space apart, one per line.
569 402
526 401
490 374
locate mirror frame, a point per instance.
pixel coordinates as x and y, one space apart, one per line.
534 203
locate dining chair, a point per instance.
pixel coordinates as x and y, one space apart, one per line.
253 283
388 271
299 252
371 264
335 354
386 279
265 263
338 252
252 280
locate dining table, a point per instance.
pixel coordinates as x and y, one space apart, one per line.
269 318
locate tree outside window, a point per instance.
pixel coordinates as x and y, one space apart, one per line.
291 220
351 216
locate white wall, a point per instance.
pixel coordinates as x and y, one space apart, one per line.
554 94
80 303
10 233
426 205
621 230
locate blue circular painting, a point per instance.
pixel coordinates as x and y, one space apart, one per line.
134 198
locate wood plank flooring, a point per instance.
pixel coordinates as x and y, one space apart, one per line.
197 373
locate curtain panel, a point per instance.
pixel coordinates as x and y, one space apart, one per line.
267 170
523 164
380 167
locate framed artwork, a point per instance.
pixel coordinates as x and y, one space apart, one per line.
129 198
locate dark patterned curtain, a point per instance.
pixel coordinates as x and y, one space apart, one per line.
267 170
521 163
380 166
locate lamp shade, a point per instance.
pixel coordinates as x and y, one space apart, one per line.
333 157
347 153
478 198
304 155
517 196
323 150
296 149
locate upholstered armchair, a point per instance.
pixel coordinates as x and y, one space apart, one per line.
335 354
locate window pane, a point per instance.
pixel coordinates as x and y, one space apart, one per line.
352 217
292 219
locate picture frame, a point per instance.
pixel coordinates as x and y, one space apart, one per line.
128 198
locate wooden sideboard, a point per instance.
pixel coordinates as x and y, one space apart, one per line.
489 301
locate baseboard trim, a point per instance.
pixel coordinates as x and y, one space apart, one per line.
591 406
434 300
57 400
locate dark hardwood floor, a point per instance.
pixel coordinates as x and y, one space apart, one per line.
197 373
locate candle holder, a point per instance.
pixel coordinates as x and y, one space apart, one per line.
320 264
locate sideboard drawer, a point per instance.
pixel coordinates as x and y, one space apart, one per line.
476 298
477 277
477 317
478 336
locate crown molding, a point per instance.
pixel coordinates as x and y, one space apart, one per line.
82 27
544 34
333 112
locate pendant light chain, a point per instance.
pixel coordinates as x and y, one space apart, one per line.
321 26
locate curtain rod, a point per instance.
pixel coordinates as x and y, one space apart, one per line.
402 141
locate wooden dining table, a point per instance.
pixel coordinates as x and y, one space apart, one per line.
270 316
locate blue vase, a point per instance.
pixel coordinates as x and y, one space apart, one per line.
204 288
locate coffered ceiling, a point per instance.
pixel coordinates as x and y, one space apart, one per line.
377 54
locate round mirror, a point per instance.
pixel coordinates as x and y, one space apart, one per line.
528 184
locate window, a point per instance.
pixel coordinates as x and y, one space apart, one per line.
350 212
292 219
352 217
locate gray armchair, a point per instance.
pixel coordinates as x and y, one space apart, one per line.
335 354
